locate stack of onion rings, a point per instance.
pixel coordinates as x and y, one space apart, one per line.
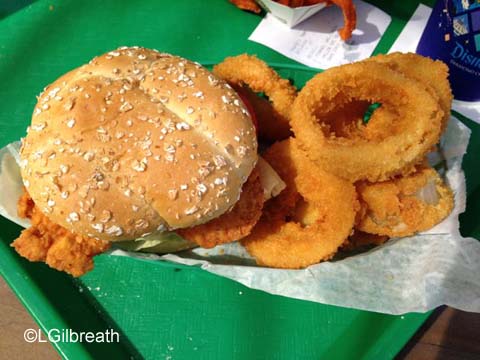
350 182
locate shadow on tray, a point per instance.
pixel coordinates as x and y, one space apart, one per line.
8 7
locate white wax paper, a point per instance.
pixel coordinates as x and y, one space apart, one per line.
413 274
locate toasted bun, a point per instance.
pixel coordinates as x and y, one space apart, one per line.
136 141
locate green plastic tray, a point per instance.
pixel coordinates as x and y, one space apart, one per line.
163 310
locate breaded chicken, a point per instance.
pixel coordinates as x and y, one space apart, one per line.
53 244
234 224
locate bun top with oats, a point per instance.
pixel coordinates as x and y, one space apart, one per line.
137 141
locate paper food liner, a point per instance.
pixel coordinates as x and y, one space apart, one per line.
413 274
290 16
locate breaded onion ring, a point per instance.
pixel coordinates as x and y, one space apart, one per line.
409 118
404 205
257 75
322 219
234 224
432 73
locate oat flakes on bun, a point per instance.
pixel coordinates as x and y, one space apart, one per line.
135 142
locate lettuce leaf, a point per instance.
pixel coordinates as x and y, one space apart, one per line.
158 243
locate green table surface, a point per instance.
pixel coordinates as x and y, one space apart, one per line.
163 310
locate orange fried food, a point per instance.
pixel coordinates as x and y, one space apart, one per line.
248 5
349 17
404 205
433 74
234 224
247 70
53 244
320 222
396 138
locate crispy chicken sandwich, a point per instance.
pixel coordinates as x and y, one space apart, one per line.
135 143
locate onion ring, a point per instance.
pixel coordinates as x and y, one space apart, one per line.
408 124
235 224
257 75
404 205
322 219
432 73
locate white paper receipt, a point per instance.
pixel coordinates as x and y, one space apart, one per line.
315 42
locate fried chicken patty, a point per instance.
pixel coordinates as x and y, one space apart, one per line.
53 244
